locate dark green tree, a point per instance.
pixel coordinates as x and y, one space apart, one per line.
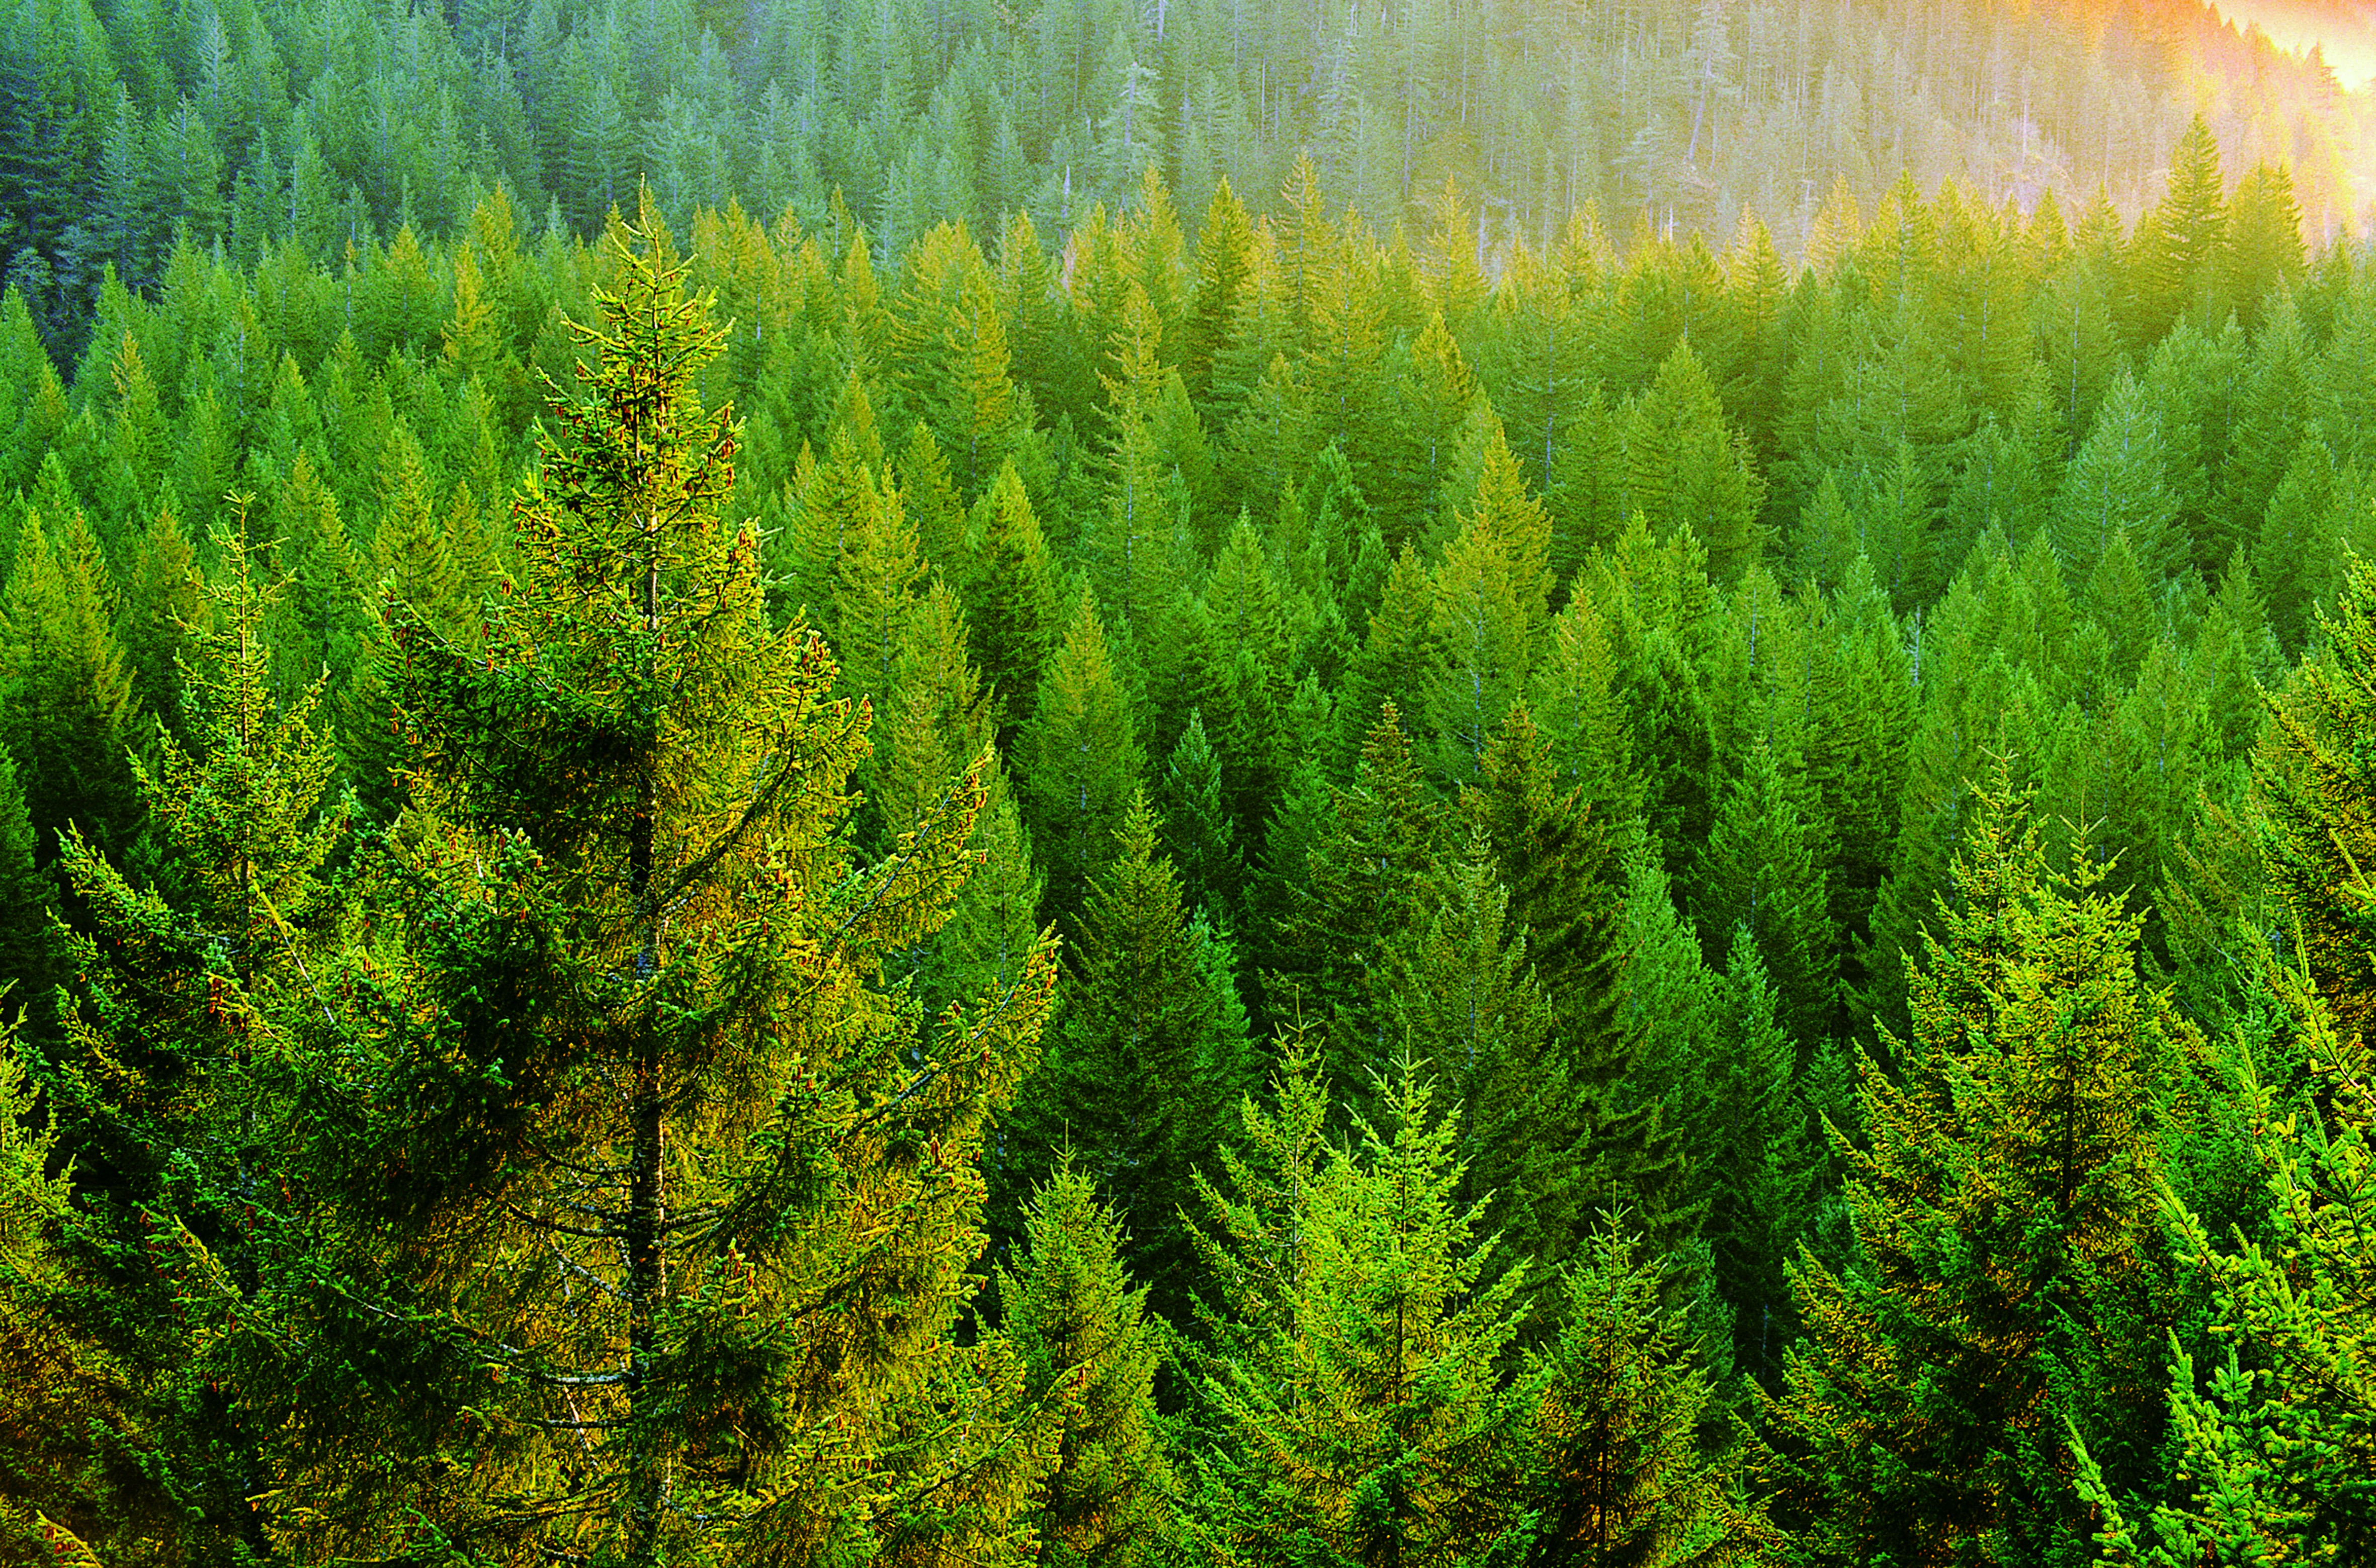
1148 1060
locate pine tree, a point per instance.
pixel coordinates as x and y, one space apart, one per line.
634 741
2270 420
68 1419
1392 655
1764 1164
2177 251
1555 857
74 719
1861 725
28 944
1366 1425
2118 483
994 929
2276 1433
1149 1056
1088 1349
2264 241
1225 242
1010 593
161 605
1615 1405
2313 784
1197 829
1687 469
2290 555
1762 871
177 1076
1464 1006
2004 1201
1358 891
1478 647
1079 760
1573 699
933 723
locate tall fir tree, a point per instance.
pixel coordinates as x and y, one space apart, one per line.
74 718
176 1080
621 876
1359 889
2004 1201
2276 1432
1763 871
1149 1059
1089 1347
1080 761
1367 1425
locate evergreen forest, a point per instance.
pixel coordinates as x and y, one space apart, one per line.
1224 782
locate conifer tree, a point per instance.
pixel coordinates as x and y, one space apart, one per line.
1197 829
1615 1404
1764 1162
73 718
1148 1058
2264 241
1862 722
176 1080
1478 647
934 722
2276 1433
2177 251
1358 891
1686 469
1393 654
1466 1006
1225 242
1554 857
1762 871
2118 483
2270 421
2005 1203
2313 784
621 877
1367 1425
161 601
1573 699
1010 593
994 929
70 1482
1079 760
28 941
1089 1348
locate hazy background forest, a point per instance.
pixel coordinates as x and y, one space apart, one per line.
1207 782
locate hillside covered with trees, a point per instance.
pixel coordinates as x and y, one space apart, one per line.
1201 818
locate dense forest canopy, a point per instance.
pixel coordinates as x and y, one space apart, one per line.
1198 784
129 123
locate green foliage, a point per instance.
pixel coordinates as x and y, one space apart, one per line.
1617 1475
1363 1423
1080 760
74 718
2315 792
2009 1242
2276 1433
1090 1349
1149 1059
621 928
1561 657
